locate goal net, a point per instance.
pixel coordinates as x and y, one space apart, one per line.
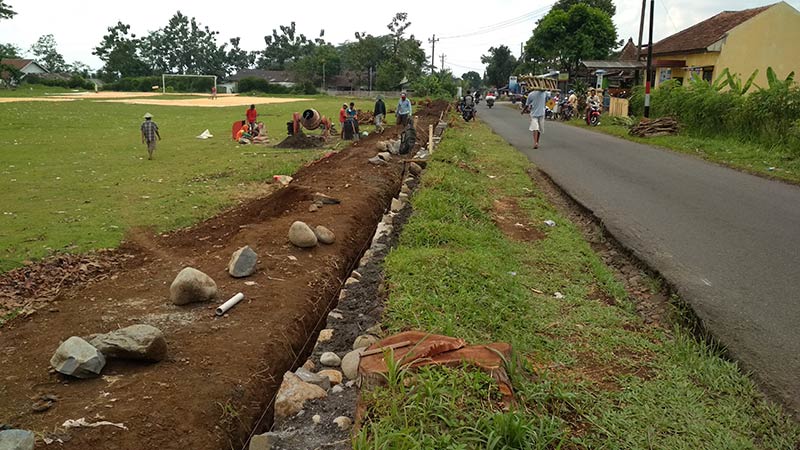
187 83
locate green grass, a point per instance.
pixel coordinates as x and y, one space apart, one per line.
586 374
36 90
779 163
74 176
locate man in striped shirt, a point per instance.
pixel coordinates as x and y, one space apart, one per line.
149 134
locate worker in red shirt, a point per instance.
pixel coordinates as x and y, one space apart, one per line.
252 115
342 118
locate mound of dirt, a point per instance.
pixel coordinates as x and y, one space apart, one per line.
302 140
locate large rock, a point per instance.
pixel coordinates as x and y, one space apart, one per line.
17 440
302 235
415 169
324 235
190 286
386 156
326 199
350 364
243 262
78 358
293 394
313 378
334 376
397 205
377 161
330 359
133 342
364 341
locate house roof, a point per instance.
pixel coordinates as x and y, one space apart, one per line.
273 76
628 52
614 65
19 63
699 37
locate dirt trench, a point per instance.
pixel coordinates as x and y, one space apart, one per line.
222 373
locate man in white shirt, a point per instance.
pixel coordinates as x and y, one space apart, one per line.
535 104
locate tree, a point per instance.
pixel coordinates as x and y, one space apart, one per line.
310 67
606 6
45 52
120 51
366 53
473 79
286 47
499 65
184 47
565 38
10 51
78 68
5 11
237 59
406 57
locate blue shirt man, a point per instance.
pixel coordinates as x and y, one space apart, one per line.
403 110
536 103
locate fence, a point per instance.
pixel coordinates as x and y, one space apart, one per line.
618 107
367 94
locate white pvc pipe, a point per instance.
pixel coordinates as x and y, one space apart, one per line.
229 304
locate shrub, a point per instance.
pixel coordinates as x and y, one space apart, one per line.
74 82
253 84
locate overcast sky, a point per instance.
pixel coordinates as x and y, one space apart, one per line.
467 29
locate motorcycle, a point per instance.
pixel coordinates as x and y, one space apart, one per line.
593 117
489 101
565 111
468 112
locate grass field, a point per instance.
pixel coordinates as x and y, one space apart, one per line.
778 163
587 372
74 176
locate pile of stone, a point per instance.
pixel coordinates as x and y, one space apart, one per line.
303 236
85 357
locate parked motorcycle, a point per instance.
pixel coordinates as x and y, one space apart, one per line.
468 112
593 117
565 111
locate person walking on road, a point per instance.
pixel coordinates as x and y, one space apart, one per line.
536 105
379 112
403 110
149 134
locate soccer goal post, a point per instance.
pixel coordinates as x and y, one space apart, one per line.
164 77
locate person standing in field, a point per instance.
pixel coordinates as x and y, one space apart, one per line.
214 93
380 113
535 104
403 110
149 134
342 118
252 115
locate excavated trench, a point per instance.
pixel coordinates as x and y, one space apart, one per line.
217 385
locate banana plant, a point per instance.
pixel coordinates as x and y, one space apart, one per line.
774 81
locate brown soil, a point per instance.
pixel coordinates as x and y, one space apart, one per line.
301 140
221 373
513 221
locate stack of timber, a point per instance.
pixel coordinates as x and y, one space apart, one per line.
663 126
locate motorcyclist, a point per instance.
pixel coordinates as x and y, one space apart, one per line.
573 100
593 99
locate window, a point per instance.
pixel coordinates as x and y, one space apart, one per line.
665 74
708 74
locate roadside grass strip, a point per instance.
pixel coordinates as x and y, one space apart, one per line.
587 372
771 162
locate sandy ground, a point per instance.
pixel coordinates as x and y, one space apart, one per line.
151 98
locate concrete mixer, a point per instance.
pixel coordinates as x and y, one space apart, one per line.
311 120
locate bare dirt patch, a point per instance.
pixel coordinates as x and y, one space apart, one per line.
222 372
513 221
207 102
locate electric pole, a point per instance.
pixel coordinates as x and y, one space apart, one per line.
639 47
649 83
433 42
443 57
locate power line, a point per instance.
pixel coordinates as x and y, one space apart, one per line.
504 24
666 9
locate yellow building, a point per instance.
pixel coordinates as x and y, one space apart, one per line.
741 41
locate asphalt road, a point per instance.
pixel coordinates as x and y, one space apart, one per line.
730 242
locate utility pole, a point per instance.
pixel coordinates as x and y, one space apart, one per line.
649 65
433 42
443 57
639 47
